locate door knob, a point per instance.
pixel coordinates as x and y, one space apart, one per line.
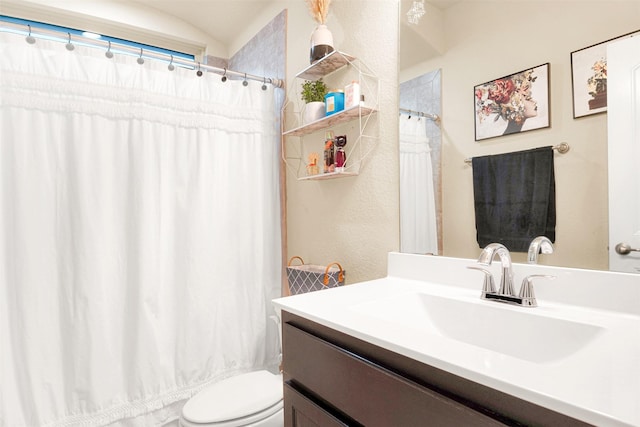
625 249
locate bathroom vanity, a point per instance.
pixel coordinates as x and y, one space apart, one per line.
420 347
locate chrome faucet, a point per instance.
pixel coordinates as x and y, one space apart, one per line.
540 244
526 296
487 256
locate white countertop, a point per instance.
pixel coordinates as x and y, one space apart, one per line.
600 384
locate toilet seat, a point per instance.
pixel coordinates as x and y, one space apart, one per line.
236 401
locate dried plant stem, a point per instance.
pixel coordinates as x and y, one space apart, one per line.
319 10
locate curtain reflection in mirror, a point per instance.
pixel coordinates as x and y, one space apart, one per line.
418 232
420 182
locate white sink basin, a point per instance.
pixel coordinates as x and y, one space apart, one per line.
576 353
515 331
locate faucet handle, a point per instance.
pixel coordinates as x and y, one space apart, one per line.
488 286
526 289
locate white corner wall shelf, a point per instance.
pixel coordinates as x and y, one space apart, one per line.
339 69
330 175
341 117
325 66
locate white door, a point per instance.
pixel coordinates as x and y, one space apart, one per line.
623 105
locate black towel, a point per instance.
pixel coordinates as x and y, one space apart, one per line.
515 198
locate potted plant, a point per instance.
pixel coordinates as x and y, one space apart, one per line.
313 93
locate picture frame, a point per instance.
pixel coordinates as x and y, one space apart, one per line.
515 103
589 77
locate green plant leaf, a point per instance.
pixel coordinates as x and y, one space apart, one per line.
313 91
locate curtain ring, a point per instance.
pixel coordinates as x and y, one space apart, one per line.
245 82
224 76
108 53
264 83
30 39
171 67
199 72
140 60
69 45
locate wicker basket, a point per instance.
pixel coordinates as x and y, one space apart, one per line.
308 278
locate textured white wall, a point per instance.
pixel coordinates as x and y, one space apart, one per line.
354 221
524 34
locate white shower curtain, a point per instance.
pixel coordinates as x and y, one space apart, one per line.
139 235
418 229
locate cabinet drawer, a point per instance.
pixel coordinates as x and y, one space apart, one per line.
300 411
370 394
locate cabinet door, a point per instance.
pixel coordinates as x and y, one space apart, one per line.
369 394
299 411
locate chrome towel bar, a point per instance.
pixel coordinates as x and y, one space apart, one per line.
561 148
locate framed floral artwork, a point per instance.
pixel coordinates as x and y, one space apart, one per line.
589 78
512 104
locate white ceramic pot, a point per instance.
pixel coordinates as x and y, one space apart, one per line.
321 43
313 111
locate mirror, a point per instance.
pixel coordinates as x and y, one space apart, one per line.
420 148
454 38
420 134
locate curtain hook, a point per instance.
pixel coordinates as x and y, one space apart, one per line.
264 83
199 72
245 82
69 45
30 39
140 60
224 76
108 53
171 67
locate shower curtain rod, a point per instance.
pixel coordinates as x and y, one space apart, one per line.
561 148
114 47
431 116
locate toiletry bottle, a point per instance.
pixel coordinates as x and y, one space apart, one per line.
341 156
352 94
329 147
334 102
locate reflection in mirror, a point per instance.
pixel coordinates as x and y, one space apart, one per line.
420 154
449 36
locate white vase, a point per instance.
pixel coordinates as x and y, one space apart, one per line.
321 43
313 111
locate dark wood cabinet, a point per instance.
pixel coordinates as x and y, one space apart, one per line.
333 379
302 411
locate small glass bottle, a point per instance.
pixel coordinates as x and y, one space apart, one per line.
341 156
329 150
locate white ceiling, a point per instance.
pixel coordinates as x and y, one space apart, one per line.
416 41
224 20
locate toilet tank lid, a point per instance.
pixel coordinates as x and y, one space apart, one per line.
234 397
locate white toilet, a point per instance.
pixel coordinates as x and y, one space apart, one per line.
253 399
